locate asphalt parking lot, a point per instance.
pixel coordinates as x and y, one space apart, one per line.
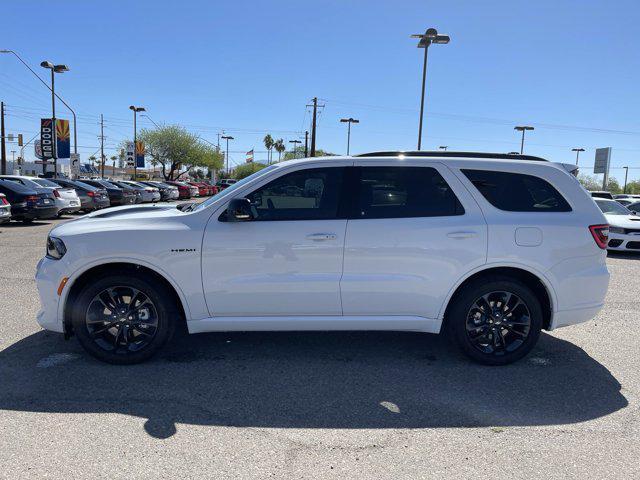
316 405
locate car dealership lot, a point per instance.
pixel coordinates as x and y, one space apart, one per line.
316 405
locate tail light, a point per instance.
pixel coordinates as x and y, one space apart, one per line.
600 234
32 198
4 201
56 193
91 194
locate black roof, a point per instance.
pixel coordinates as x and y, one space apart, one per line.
451 154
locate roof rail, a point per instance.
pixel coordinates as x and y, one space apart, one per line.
451 154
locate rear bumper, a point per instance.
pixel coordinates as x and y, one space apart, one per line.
573 317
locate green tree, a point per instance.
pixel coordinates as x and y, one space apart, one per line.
279 147
298 152
93 159
269 144
177 151
244 170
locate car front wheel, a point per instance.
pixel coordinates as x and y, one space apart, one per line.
495 321
124 319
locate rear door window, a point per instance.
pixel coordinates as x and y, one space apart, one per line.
517 192
403 192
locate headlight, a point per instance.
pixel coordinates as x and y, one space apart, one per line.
55 248
616 230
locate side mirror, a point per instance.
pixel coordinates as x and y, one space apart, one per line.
239 210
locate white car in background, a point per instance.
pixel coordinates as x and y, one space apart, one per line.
67 200
624 226
491 248
149 194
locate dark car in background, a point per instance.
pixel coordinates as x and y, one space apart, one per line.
128 189
184 190
91 198
117 195
167 192
29 204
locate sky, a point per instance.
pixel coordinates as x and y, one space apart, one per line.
248 68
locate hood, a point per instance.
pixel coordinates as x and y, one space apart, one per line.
623 221
127 218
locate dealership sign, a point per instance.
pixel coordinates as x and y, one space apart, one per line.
139 154
46 138
603 157
130 154
63 138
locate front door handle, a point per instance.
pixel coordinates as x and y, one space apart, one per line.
461 234
322 236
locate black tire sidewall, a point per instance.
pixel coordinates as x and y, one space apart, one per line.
158 294
457 317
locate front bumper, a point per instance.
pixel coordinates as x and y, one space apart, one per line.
48 276
624 242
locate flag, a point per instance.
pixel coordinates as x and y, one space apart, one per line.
250 156
63 138
139 154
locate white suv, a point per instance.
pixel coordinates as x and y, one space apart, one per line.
490 248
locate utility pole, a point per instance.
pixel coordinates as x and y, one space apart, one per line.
306 143
3 152
102 146
313 127
626 172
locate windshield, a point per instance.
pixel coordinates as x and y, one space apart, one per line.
610 207
239 184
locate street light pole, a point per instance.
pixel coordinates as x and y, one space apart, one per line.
577 150
54 150
427 38
626 172
135 139
522 128
349 121
75 131
227 138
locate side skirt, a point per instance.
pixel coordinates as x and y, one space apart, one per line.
315 323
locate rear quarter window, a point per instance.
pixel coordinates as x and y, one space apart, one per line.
517 192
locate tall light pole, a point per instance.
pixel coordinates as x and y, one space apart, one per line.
227 138
75 130
626 172
522 128
427 38
135 138
295 144
577 150
443 147
349 121
54 152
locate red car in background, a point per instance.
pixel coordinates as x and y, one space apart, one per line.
203 188
184 190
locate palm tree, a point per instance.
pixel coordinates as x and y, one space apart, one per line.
269 144
279 146
92 158
113 159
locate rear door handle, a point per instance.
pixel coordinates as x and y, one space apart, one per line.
322 236
461 234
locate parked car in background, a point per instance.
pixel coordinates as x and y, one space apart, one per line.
633 207
490 250
147 193
601 194
625 201
5 209
117 195
66 199
137 192
224 183
184 190
629 196
203 188
91 198
29 203
167 192
624 226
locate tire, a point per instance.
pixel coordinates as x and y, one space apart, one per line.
27 220
126 342
484 331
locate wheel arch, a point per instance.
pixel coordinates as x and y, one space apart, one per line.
115 267
534 280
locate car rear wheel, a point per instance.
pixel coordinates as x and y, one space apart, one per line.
495 321
124 319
